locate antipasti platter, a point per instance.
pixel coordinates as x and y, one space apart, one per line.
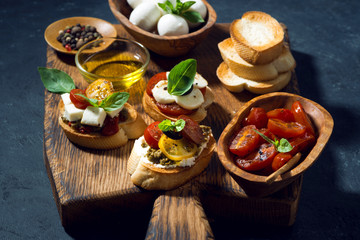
93 190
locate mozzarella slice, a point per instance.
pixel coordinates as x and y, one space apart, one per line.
66 98
190 101
93 116
72 113
199 81
161 94
145 16
115 112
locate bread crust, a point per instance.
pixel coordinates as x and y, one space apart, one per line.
257 54
234 83
153 111
149 177
132 128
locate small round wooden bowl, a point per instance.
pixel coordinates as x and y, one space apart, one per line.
169 46
256 185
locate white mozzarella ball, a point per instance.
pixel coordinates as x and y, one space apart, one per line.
190 101
145 16
199 7
172 25
135 3
199 81
161 94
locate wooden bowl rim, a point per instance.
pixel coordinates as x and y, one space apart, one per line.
212 16
322 139
60 25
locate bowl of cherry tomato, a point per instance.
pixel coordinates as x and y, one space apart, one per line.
265 137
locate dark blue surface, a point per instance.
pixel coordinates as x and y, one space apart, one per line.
325 40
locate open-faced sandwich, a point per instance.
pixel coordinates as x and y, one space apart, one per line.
97 117
170 153
182 91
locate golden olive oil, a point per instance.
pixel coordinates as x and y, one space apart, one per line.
122 69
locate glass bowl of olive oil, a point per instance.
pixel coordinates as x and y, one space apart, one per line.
119 60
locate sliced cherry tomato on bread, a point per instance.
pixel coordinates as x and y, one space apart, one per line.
152 135
177 150
280 160
111 126
301 117
245 141
77 100
282 114
192 130
285 129
258 159
257 117
173 109
153 81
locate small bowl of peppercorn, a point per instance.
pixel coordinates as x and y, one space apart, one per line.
68 35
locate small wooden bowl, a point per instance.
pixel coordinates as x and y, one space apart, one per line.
105 28
253 184
169 46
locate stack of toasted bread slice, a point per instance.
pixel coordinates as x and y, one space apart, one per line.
255 57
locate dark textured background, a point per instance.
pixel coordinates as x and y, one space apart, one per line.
325 39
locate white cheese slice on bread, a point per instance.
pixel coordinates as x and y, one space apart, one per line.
66 98
72 113
93 116
190 101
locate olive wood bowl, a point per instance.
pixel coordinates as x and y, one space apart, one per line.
256 185
168 46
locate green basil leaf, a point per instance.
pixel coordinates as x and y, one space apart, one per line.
179 125
284 146
56 81
93 102
181 77
114 101
165 125
187 5
165 7
193 16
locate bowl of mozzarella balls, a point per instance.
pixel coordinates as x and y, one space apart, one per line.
168 28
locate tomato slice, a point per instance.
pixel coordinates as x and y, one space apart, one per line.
111 126
280 160
152 135
282 114
301 143
285 129
77 100
177 150
257 117
301 117
258 159
173 109
267 133
153 81
245 141
192 130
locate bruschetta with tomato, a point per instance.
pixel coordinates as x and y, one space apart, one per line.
170 153
182 91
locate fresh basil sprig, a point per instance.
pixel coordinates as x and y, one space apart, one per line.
168 125
281 146
55 80
181 77
111 102
182 9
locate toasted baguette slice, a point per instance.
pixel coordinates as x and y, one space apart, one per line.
149 177
132 128
234 83
258 37
284 63
153 111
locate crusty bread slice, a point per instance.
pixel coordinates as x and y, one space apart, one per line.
149 177
153 111
283 63
132 128
234 83
258 37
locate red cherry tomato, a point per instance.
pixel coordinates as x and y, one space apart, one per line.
192 130
257 117
301 143
258 159
173 109
267 133
203 91
77 100
282 114
152 135
280 160
153 81
285 129
301 117
245 141
111 126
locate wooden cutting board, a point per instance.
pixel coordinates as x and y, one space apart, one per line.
94 193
